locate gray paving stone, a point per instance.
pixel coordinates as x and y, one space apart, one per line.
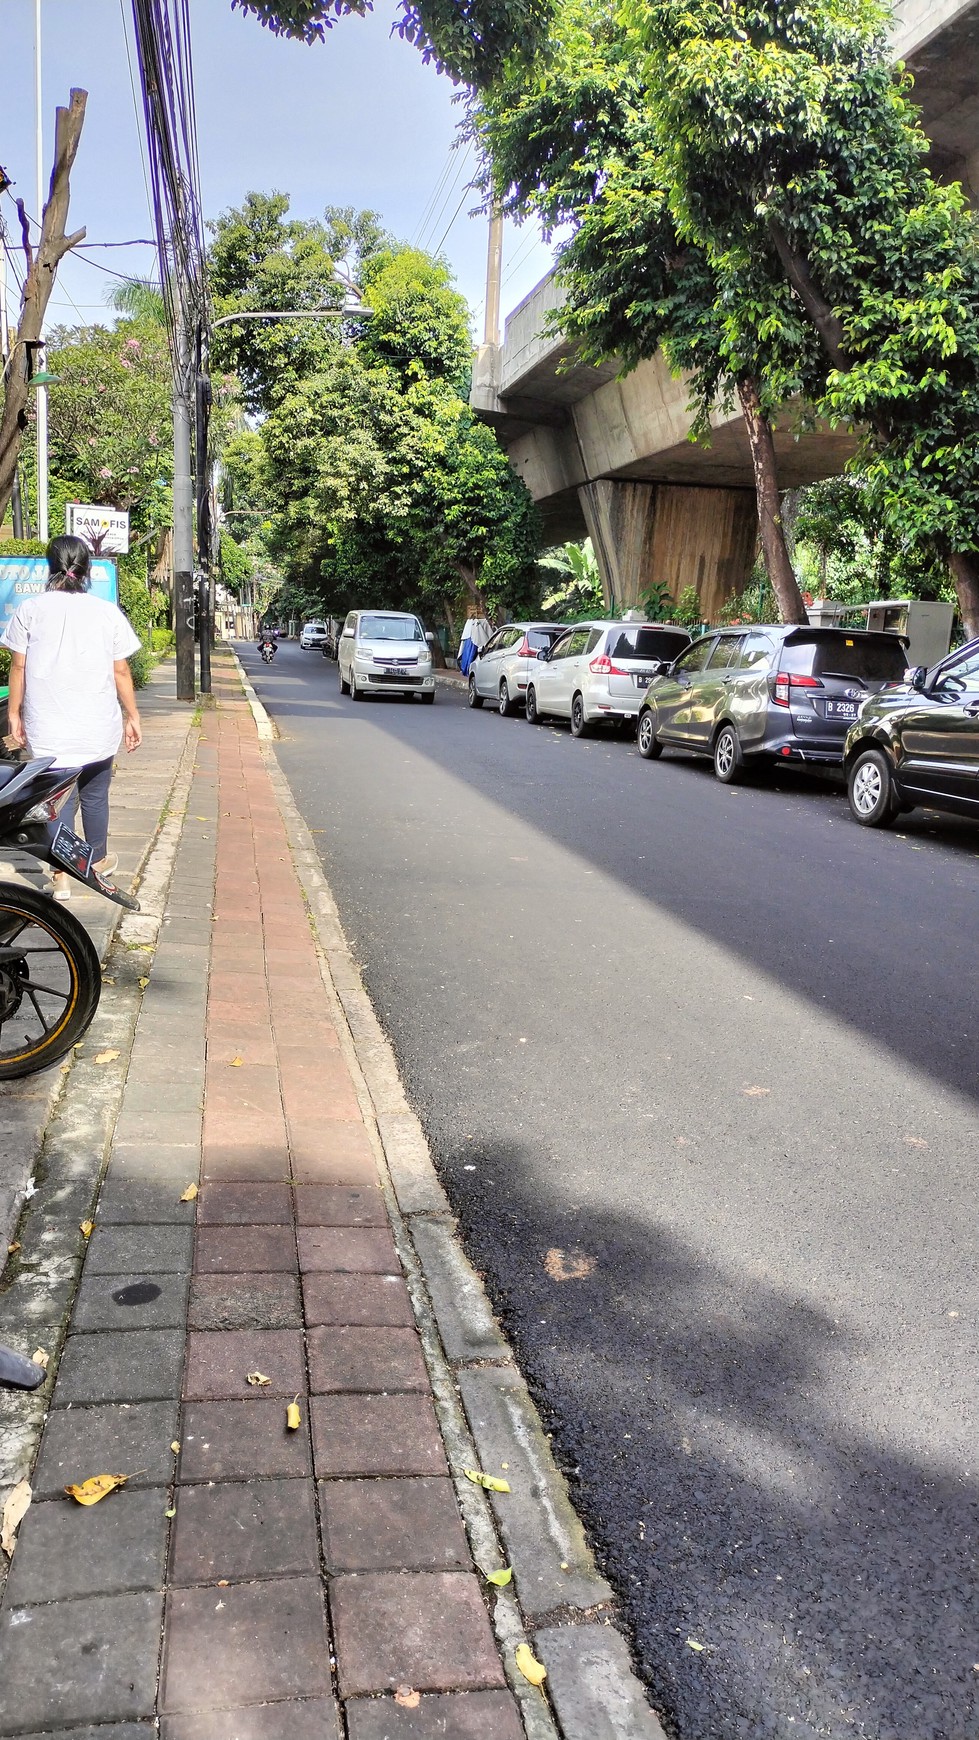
115 1731
592 1686
156 1200
140 1365
539 1537
133 1439
176 1095
134 1301
79 1661
66 1549
456 1715
159 1126
465 1320
163 1250
313 1719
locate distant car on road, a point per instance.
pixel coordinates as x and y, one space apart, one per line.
598 672
918 744
314 636
768 692
385 652
502 670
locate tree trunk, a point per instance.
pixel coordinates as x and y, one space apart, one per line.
468 575
778 563
965 573
42 267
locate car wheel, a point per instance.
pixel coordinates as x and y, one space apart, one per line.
579 724
343 686
870 789
473 695
507 707
429 700
648 744
728 760
533 716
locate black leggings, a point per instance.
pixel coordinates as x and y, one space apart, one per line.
93 794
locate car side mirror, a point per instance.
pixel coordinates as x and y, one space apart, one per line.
917 679
430 638
543 655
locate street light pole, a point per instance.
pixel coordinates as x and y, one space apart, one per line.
42 392
183 515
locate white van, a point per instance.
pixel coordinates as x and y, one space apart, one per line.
385 652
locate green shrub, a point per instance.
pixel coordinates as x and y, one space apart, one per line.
163 641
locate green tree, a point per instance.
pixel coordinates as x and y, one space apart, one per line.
466 38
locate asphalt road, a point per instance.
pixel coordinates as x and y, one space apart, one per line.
717 1049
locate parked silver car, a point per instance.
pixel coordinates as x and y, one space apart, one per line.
314 636
385 652
600 671
502 670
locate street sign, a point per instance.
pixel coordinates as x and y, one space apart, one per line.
105 530
25 576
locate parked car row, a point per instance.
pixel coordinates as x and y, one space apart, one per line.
831 697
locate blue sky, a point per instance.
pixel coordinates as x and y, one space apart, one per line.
357 121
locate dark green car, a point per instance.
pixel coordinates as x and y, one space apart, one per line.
918 744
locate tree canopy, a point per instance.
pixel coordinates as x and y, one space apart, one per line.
469 39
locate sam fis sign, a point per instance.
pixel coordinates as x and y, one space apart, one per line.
105 530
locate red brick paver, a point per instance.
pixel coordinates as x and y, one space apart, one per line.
297 1281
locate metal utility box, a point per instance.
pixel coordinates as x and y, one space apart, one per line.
926 622
826 613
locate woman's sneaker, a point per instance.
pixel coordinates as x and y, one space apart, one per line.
106 865
62 885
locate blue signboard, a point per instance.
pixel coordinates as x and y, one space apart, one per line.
25 576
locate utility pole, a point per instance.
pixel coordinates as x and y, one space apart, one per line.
494 279
42 392
5 363
202 400
183 515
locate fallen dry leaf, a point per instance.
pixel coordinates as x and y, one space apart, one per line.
532 1669
106 979
106 1056
190 1194
255 1378
490 1481
407 1697
500 1579
693 1644
236 1063
568 1265
222 1582
170 1513
175 1446
916 1142
13 1514
14 1247
142 983
756 1093
87 1227
97 1487
39 1357
293 1417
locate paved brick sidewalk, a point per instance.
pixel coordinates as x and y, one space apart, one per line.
297 1579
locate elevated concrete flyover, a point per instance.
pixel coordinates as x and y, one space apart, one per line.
611 455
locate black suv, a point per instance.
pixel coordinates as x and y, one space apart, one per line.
918 744
779 691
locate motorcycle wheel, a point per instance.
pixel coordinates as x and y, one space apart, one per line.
50 981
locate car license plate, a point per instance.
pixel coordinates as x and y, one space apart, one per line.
841 709
643 679
398 671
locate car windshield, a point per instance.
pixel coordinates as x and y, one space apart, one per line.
648 643
390 628
877 658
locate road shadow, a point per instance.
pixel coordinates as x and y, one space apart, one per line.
829 1575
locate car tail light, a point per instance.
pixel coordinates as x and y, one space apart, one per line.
603 667
47 809
787 680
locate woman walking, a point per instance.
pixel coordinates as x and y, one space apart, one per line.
71 689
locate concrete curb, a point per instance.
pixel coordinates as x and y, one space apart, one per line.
266 730
487 1417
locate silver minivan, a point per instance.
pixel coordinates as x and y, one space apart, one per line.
599 672
385 652
501 672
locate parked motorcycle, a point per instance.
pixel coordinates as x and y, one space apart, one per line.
50 975
267 650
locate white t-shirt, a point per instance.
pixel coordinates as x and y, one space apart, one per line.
72 640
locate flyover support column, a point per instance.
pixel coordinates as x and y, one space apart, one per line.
679 536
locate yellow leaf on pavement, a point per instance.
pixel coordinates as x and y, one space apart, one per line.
532 1669
39 1357
142 983
175 1446
13 1514
14 1247
490 1481
407 1697
190 1194
87 1227
293 1417
500 1579
256 1378
236 1063
97 1487
106 1056
693 1644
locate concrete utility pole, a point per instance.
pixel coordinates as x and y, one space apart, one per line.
183 516
494 280
42 392
15 501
